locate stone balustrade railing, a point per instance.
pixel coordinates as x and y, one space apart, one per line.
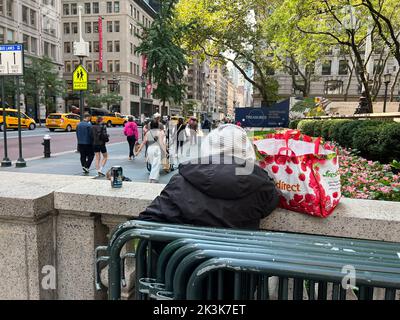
57 221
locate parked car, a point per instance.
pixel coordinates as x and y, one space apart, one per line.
64 121
12 120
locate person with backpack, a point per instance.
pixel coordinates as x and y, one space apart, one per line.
132 136
100 138
84 135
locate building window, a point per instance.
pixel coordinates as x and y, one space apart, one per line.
67 66
74 9
25 39
9 8
67 47
110 66
109 46
95 7
32 15
89 66
116 46
66 9
131 67
117 66
116 26
10 36
343 69
333 87
74 27
326 68
109 26
87 8
113 86
116 6
90 46
46 47
96 66
2 35
75 64
131 46
109 7
131 7
25 14
131 29
96 46
95 27
66 28
134 89
53 51
88 27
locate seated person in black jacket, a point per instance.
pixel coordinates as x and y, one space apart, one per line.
223 188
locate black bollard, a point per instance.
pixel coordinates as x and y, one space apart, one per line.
46 144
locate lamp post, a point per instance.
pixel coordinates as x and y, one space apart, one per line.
387 78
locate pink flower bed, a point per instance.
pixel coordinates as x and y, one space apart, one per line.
363 179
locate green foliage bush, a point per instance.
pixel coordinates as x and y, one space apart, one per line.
294 123
335 128
365 140
389 142
306 127
375 140
326 127
318 128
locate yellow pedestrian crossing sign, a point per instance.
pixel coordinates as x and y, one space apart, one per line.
80 78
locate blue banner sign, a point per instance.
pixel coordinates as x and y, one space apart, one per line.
275 116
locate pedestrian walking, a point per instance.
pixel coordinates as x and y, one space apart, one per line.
181 135
100 138
154 139
193 127
206 127
132 136
85 142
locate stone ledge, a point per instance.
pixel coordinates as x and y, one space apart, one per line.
24 195
30 195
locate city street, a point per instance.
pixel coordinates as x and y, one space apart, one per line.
60 142
65 161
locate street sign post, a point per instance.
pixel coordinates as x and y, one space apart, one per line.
80 83
80 78
11 64
11 60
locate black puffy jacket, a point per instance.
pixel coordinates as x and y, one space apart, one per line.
213 195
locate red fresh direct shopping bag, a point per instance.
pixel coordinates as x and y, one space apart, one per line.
304 170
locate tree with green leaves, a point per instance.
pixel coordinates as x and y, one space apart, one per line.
231 31
42 82
161 44
344 22
95 99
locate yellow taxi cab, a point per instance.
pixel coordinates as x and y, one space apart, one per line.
12 120
64 121
109 118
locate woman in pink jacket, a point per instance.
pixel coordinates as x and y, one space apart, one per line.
132 135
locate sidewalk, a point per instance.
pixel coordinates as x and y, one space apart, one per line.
68 163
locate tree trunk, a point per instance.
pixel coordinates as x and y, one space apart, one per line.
394 85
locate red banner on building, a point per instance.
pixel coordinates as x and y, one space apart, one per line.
100 21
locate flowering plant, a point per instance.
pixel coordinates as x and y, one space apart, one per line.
363 179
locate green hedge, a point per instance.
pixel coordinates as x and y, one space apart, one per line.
375 140
293 124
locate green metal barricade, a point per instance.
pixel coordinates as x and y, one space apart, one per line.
183 248
365 280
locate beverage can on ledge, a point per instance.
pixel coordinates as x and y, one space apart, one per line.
116 177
